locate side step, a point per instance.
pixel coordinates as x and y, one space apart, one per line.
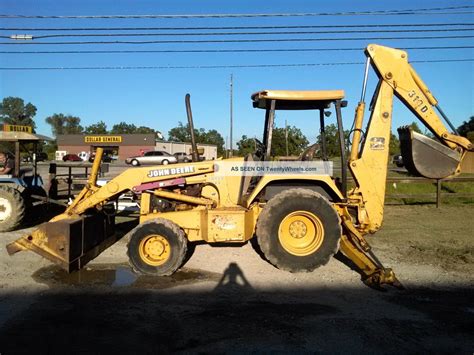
70 243
423 156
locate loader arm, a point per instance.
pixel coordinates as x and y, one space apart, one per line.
133 180
369 159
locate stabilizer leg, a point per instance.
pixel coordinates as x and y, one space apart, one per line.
356 248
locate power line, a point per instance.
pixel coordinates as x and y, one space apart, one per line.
241 33
240 40
227 50
423 11
230 27
221 66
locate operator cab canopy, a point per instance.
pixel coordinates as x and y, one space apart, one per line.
296 100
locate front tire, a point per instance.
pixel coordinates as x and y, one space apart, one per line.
165 162
298 230
157 247
135 162
12 208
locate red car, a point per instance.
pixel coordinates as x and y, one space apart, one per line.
71 157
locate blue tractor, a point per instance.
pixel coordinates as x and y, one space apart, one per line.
21 186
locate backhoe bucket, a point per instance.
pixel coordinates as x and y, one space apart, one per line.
423 156
70 243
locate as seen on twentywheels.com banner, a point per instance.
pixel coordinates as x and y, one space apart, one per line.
261 168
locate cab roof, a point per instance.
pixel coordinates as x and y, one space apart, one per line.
296 100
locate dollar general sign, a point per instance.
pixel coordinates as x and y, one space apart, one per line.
102 139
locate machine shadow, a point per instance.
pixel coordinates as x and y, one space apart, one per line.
225 313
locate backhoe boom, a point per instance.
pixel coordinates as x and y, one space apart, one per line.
369 160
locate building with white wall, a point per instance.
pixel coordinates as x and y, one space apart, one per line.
210 150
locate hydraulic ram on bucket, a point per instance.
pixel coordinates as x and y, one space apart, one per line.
69 239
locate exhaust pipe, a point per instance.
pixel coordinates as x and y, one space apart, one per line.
191 128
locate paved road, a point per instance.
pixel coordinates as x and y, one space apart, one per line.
228 299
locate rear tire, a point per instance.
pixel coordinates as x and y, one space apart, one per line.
298 230
157 247
12 208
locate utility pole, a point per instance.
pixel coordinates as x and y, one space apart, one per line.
231 112
227 146
286 136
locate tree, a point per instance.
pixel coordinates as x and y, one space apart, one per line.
181 133
97 128
332 140
123 128
394 147
61 124
14 111
414 126
246 145
144 130
466 129
297 142
213 137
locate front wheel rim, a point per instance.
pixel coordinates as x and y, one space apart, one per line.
154 250
301 233
5 209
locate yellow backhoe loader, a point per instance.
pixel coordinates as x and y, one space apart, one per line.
299 221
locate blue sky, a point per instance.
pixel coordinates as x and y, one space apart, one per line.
155 98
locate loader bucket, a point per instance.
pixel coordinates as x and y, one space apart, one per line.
70 243
423 156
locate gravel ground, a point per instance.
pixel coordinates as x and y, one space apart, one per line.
227 299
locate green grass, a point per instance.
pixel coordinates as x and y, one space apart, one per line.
449 192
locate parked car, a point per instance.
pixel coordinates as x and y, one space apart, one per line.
39 157
183 157
152 158
398 160
71 157
84 156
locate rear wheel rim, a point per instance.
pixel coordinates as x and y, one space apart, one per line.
5 209
301 233
154 250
